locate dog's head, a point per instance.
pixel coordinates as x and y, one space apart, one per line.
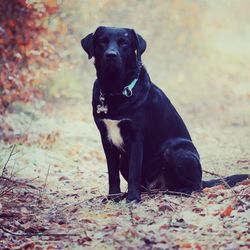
117 52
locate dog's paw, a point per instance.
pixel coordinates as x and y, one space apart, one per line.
116 197
133 198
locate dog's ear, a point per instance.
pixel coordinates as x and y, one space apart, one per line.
140 44
87 44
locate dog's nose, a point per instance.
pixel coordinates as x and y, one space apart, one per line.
111 54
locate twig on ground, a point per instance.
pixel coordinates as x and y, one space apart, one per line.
6 188
58 234
123 195
44 186
169 192
10 232
9 157
45 183
39 234
175 203
130 208
12 169
212 173
170 202
238 196
179 194
223 182
17 182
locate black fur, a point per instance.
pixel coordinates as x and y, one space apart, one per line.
158 151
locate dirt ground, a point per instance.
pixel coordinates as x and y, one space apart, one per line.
53 187
63 159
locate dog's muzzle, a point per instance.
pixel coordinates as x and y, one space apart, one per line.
111 55
112 59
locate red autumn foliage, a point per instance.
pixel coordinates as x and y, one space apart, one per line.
24 47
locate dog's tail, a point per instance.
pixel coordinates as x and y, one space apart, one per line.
229 181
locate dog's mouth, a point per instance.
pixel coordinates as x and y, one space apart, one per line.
110 62
113 64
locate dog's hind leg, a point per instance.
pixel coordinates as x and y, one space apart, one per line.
182 166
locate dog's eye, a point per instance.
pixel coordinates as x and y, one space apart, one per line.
103 42
122 43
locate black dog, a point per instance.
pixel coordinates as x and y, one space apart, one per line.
142 134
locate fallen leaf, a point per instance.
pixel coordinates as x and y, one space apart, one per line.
245 182
87 221
163 208
83 240
165 226
192 226
215 213
197 210
186 245
73 210
211 202
212 189
50 247
110 227
28 246
197 246
212 195
227 212
63 178
131 233
243 162
148 241
74 151
104 215
136 217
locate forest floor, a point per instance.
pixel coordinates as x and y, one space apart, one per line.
53 187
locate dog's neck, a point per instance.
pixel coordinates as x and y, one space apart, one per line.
111 82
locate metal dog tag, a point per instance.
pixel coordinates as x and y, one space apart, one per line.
102 108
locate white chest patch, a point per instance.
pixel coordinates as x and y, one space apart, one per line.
114 133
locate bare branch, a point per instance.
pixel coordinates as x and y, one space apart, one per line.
10 155
39 234
44 186
212 173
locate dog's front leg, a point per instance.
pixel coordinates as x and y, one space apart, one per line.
112 156
135 168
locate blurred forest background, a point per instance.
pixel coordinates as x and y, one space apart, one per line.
198 52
